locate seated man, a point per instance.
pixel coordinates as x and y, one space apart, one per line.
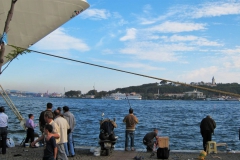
148 139
106 130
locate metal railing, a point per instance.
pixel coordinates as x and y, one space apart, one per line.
12 107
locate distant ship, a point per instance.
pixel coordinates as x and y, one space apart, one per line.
34 19
121 96
222 99
55 95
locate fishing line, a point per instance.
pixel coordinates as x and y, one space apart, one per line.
137 74
128 101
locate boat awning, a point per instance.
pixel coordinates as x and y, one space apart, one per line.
34 19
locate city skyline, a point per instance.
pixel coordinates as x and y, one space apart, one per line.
212 83
176 40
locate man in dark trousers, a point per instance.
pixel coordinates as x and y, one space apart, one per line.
3 128
148 139
207 127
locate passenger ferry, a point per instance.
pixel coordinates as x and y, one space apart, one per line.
121 96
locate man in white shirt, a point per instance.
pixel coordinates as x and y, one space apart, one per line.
48 116
63 126
3 128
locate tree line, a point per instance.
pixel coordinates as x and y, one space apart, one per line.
149 91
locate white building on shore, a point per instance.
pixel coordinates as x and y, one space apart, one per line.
195 94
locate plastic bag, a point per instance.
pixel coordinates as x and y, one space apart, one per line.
10 143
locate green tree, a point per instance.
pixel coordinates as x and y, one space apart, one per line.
73 94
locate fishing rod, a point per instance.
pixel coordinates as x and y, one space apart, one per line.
128 101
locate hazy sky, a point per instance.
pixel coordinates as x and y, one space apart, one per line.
179 40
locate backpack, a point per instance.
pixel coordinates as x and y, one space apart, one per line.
163 153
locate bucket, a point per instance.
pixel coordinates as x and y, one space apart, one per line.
27 145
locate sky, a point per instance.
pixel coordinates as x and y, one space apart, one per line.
179 40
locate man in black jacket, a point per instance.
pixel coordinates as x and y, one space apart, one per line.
207 127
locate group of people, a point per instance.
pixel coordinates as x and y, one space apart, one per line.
207 127
57 129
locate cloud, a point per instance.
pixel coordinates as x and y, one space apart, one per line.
176 38
128 65
100 42
59 40
154 51
96 14
216 9
147 8
146 19
131 34
107 51
193 39
232 51
198 74
230 58
220 73
174 27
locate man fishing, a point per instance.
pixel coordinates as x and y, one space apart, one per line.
207 127
131 121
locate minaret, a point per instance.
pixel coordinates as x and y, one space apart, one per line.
213 81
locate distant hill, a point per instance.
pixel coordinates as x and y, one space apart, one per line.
148 90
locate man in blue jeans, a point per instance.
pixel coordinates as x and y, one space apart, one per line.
131 121
69 149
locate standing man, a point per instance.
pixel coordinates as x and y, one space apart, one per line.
48 116
41 117
3 128
131 121
72 122
63 126
148 139
207 127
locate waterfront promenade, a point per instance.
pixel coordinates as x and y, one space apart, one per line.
21 153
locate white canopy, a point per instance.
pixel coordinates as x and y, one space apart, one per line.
34 19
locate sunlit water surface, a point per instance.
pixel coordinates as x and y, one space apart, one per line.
179 120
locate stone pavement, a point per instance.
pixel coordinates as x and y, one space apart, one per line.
21 153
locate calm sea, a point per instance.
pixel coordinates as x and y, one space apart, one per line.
179 120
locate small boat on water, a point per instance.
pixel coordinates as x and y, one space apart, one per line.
215 99
222 99
121 96
232 99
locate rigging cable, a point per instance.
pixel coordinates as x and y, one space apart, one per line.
137 74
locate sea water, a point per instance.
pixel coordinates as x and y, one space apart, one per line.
177 119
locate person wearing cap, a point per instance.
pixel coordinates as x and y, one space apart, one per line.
3 128
72 122
207 127
131 121
148 139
